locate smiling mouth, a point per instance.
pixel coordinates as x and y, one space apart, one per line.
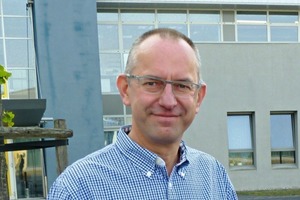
166 115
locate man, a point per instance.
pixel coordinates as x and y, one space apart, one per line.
163 87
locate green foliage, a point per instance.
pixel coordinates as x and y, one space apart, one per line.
4 75
7 118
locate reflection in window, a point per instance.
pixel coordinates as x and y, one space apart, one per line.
251 17
137 16
29 172
205 32
107 15
284 34
283 17
251 26
22 84
282 138
110 68
165 16
205 16
252 33
205 26
240 140
179 27
131 32
284 26
109 37
110 136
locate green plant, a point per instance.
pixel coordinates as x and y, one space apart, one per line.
6 118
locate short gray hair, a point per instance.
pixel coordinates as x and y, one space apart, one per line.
163 33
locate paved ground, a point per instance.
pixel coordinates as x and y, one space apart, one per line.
244 197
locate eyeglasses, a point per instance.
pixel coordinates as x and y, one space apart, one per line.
154 85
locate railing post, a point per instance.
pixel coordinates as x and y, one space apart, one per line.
61 151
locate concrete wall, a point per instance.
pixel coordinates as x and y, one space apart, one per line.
68 62
248 77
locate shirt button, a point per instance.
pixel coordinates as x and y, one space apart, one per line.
182 174
170 185
149 174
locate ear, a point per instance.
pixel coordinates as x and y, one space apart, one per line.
200 96
122 84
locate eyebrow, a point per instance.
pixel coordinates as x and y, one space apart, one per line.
156 77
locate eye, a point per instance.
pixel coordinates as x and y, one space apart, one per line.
152 82
183 86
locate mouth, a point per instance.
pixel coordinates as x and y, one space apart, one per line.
166 115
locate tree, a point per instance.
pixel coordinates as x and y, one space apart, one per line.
4 75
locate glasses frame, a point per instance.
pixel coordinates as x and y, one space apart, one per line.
196 87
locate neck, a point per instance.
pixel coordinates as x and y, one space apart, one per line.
168 152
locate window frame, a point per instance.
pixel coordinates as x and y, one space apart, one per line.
245 150
293 149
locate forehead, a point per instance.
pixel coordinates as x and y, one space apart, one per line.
167 54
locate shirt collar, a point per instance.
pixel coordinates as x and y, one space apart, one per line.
142 158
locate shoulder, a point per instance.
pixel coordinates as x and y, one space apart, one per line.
92 162
203 159
80 175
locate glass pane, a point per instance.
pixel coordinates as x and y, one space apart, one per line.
14 7
283 17
288 157
107 15
241 159
22 84
138 16
282 131
284 34
109 137
19 53
1 53
15 27
283 157
205 16
110 65
29 172
132 32
108 36
0 27
205 32
239 132
252 17
171 16
252 33
113 121
179 27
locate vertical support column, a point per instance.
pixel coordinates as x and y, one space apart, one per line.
61 151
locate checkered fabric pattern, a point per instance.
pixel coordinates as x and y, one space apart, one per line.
125 170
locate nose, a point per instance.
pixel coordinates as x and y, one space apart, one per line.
167 98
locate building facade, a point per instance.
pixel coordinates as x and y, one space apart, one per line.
250 63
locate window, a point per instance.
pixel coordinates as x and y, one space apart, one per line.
110 136
251 26
284 26
283 138
135 23
240 134
205 26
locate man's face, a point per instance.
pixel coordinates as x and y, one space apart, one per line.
162 118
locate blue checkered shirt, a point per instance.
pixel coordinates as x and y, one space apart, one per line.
125 170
